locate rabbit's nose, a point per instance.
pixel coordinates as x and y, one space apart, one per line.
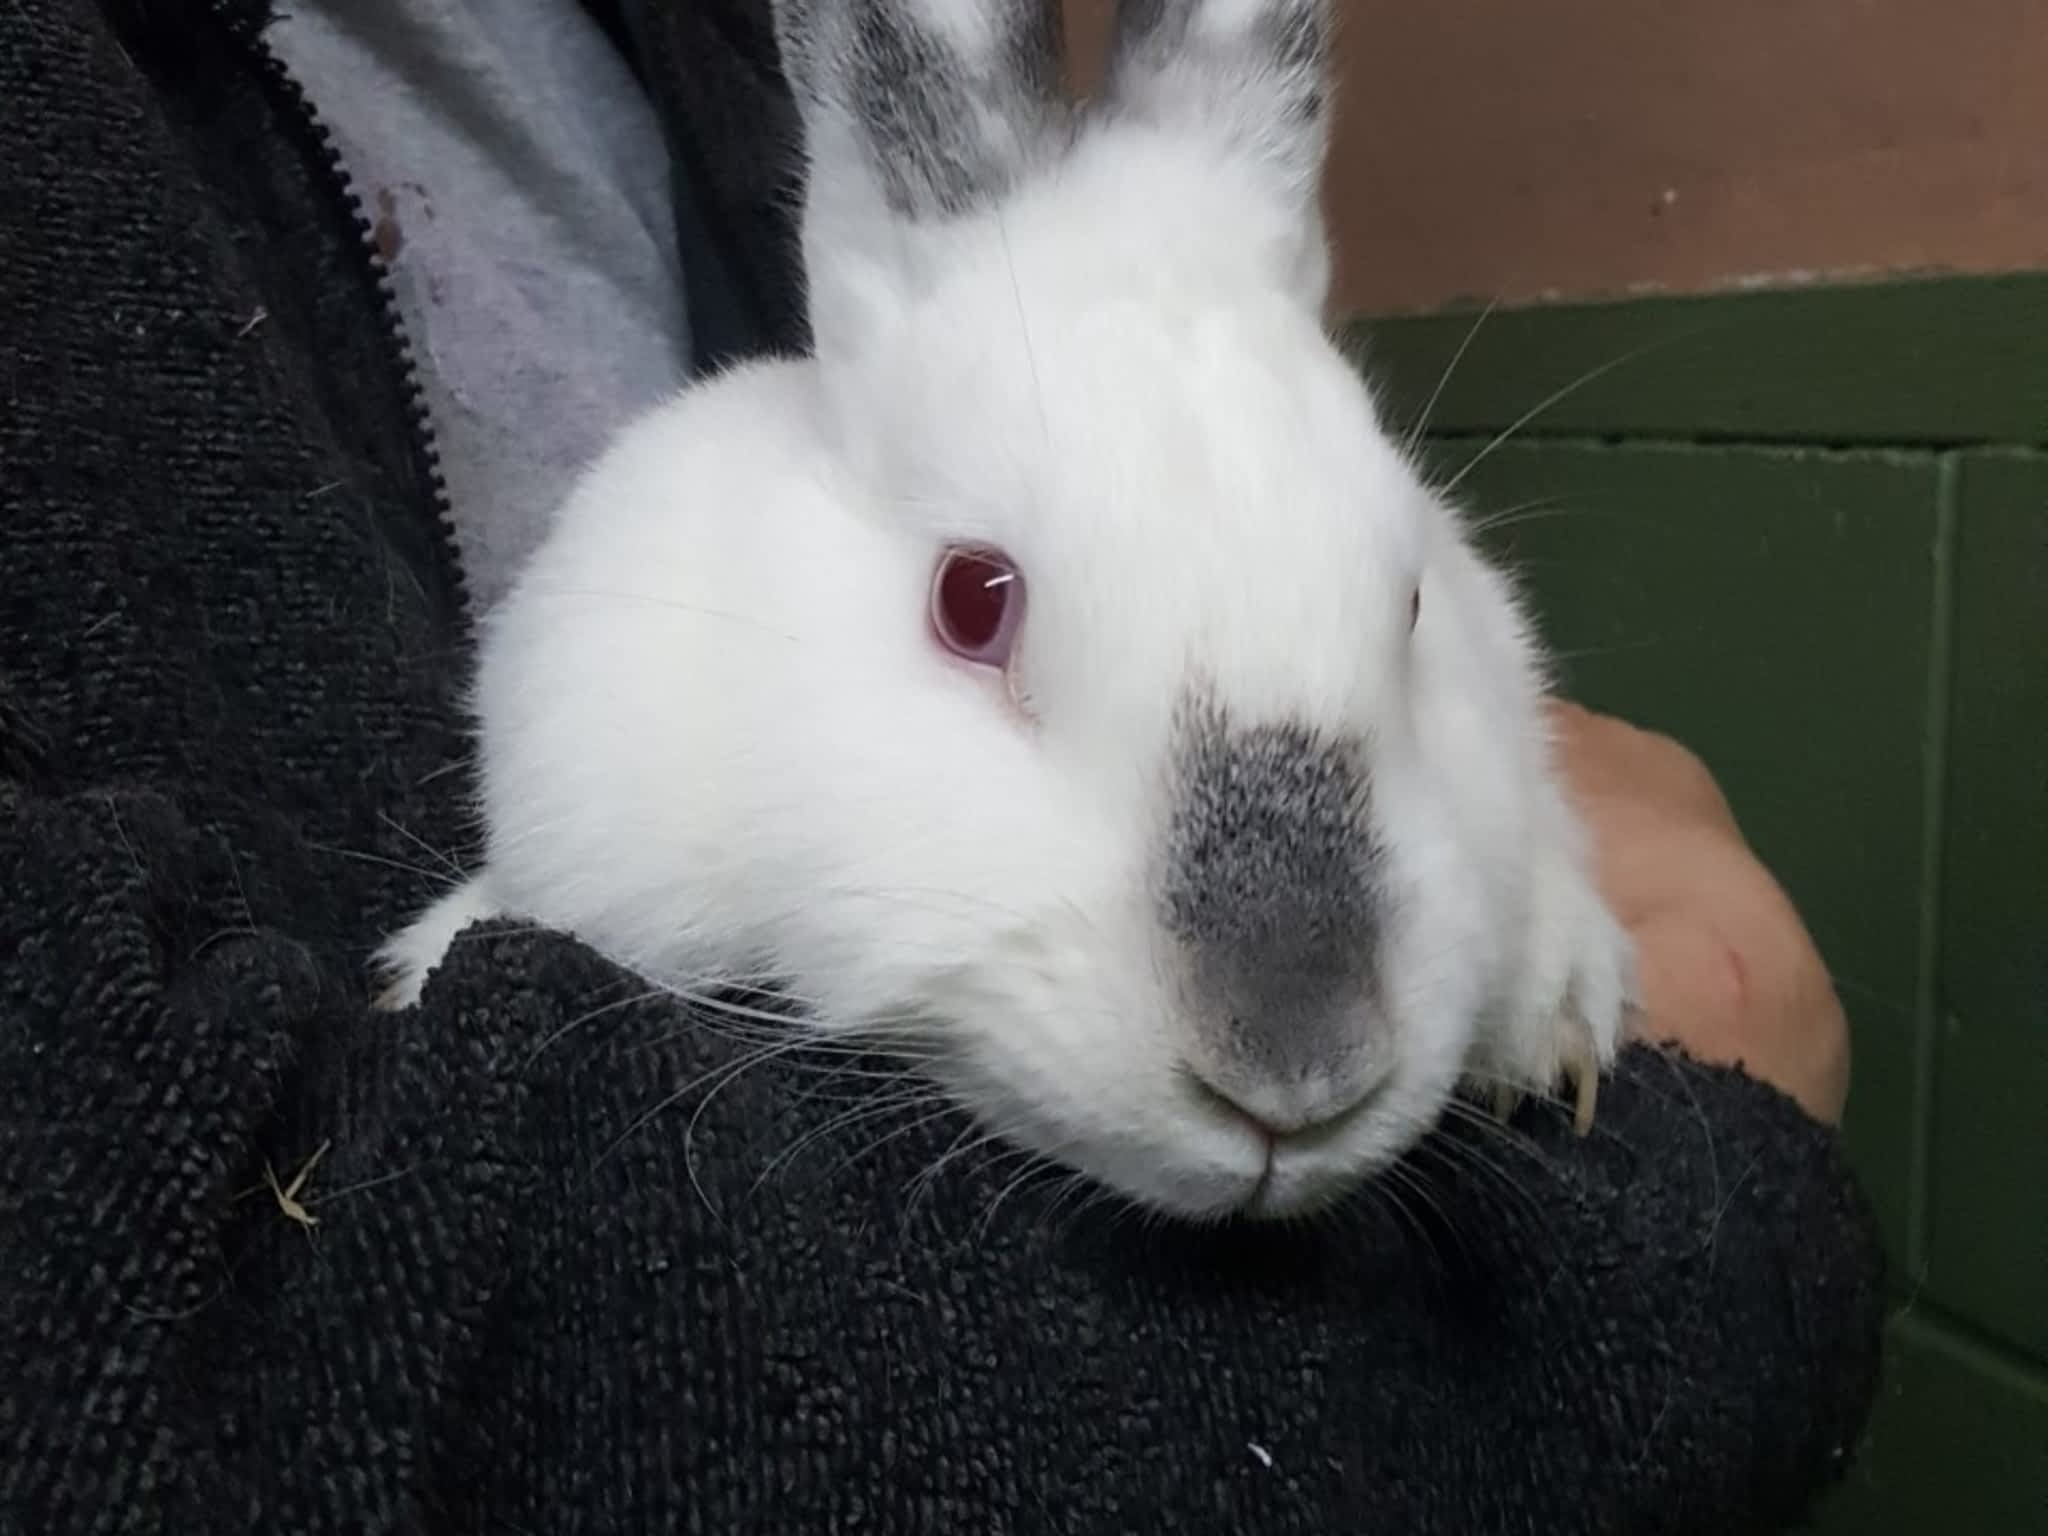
1273 899
1303 1106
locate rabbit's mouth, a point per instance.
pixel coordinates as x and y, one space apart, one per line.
1170 1142
1300 1167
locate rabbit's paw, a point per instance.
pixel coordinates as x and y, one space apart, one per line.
404 962
1564 1021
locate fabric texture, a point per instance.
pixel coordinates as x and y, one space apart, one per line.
519 196
735 141
547 1256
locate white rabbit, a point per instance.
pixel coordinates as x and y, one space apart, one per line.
1062 670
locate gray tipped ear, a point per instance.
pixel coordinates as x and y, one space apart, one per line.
915 112
1250 78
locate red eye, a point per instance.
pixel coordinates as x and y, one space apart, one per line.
977 603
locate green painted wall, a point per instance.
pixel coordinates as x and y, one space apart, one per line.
1807 533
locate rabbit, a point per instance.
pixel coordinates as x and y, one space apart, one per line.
1061 672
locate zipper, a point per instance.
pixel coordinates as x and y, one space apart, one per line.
246 31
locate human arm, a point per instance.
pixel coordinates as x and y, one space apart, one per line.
1727 968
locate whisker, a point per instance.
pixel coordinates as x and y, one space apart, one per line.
435 876
1555 397
941 1107
1024 330
632 1000
1416 432
963 1144
876 1108
1480 523
423 845
694 610
1036 1164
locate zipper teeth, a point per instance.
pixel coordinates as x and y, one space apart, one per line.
248 33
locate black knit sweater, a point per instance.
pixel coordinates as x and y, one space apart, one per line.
568 1268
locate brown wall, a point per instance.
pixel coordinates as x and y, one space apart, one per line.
1520 148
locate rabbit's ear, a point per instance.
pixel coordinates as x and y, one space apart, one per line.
914 112
1248 77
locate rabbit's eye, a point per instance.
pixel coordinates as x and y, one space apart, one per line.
1414 608
977 603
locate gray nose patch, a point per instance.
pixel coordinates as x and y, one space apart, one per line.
1270 889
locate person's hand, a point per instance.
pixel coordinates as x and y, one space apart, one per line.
1726 967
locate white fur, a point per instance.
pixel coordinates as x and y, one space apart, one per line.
717 739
